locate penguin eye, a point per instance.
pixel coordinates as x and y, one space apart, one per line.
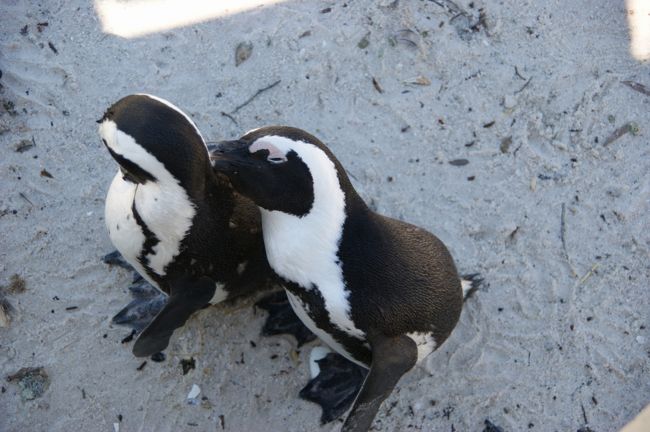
275 159
273 154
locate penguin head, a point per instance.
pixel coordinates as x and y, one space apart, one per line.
281 169
154 141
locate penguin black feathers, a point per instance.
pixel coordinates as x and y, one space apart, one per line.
381 292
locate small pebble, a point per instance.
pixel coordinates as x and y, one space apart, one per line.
193 394
459 162
509 101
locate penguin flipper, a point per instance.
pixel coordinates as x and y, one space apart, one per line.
392 357
187 296
335 386
147 302
282 319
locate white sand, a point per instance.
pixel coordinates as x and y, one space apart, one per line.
539 348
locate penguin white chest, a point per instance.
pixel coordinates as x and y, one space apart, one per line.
123 229
304 254
164 216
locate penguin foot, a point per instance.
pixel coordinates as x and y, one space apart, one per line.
282 319
115 259
335 387
146 304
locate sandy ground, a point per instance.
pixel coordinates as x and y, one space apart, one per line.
507 130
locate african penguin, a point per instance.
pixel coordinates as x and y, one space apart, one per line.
173 219
381 292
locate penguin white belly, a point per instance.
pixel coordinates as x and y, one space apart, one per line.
302 312
124 231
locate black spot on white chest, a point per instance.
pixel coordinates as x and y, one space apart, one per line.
309 306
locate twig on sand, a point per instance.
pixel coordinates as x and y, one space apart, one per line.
22 195
588 274
225 114
637 87
630 127
257 93
520 76
524 86
563 238
451 7
584 414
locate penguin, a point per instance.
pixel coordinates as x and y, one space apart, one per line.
381 292
175 220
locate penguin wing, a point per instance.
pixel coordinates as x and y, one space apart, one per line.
392 357
187 296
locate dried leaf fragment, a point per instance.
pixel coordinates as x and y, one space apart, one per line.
505 144
33 382
375 84
364 42
23 146
423 81
243 52
5 312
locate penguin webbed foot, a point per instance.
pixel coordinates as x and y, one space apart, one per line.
335 386
147 302
115 258
392 357
188 295
282 319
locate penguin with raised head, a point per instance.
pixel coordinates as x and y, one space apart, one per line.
174 220
381 292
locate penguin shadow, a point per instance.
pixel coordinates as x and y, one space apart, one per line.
335 381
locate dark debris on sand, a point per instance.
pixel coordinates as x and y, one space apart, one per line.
32 381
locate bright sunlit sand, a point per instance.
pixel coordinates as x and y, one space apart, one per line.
131 19
638 17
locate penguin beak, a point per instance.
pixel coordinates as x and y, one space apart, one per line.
226 146
227 156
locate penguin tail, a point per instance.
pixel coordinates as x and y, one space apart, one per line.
470 283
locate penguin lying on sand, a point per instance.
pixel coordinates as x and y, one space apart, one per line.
381 292
174 220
